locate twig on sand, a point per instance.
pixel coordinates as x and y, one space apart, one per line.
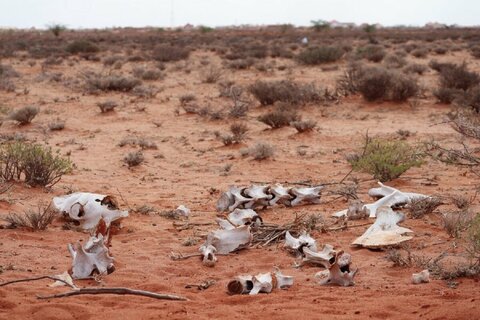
119 291
36 278
180 256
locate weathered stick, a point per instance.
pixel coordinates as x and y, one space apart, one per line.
120 291
36 278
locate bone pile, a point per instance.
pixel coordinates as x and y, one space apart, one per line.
388 196
262 282
262 196
337 264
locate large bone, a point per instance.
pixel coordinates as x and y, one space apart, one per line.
325 257
305 195
208 252
262 282
282 281
224 224
385 231
94 257
89 208
297 245
226 241
240 285
338 273
386 190
241 217
258 196
280 195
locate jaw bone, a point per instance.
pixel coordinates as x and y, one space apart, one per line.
89 208
385 231
93 257
298 245
338 272
305 195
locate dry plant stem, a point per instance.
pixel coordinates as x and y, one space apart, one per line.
179 256
119 291
34 279
349 226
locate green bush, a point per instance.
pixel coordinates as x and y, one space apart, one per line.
386 159
319 55
37 164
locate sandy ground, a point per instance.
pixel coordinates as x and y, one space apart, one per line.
190 162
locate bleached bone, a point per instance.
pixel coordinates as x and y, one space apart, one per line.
87 260
305 195
65 277
208 252
390 200
258 195
385 231
224 224
225 201
226 241
280 195
324 257
240 285
182 211
262 282
421 277
297 245
386 190
357 210
336 273
241 217
282 281
89 208
238 198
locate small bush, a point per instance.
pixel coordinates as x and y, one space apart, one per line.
420 207
455 223
473 238
134 159
81 46
269 92
279 118
475 52
110 61
37 164
304 125
319 55
56 125
446 95
457 77
260 151
419 53
147 74
241 64
402 87
384 159
32 220
239 131
24 115
111 83
166 53
374 53
107 106
394 61
187 98
416 68
212 75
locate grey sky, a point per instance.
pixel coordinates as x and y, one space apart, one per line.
140 13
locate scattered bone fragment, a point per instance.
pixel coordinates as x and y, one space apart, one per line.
421 277
258 196
260 283
280 195
88 208
226 241
65 277
338 273
208 252
385 231
297 245
305 195
384 190
324 258
91 258
182 211
282 281
244 217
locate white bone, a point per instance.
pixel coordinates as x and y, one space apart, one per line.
297 245
324 257
238 198
182 211
65 277
385 231
305 195
386 190
224 224
337 274
208 252
258 195
357 210
241 217
226 241
262 282
280 195
421 277
240 285
225 201
390 200
95 258
282 281
87 210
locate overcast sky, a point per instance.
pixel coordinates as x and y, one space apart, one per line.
164 13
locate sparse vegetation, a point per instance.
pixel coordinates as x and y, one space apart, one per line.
319 55
34 220
24 115
81 46
56 125
133 159
304 125
97 82
269 92
107 106
279 118
260 151
167 53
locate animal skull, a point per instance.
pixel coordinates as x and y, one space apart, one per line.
93 257
385 231
338 272
298 245
89 208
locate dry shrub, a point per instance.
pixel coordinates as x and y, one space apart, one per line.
81 46
187 98
261 151
97 82
269 92
279 118
319 55
416 68
166 53
420 53
304 125
394 61
457 77
110 61
239 131
212 75
136 141
456 222
241 64
134 159
374 53
107 106
31 219
420 207
147 74
24 115
56 125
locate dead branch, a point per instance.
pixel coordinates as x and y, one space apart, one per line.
118 291
36 278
